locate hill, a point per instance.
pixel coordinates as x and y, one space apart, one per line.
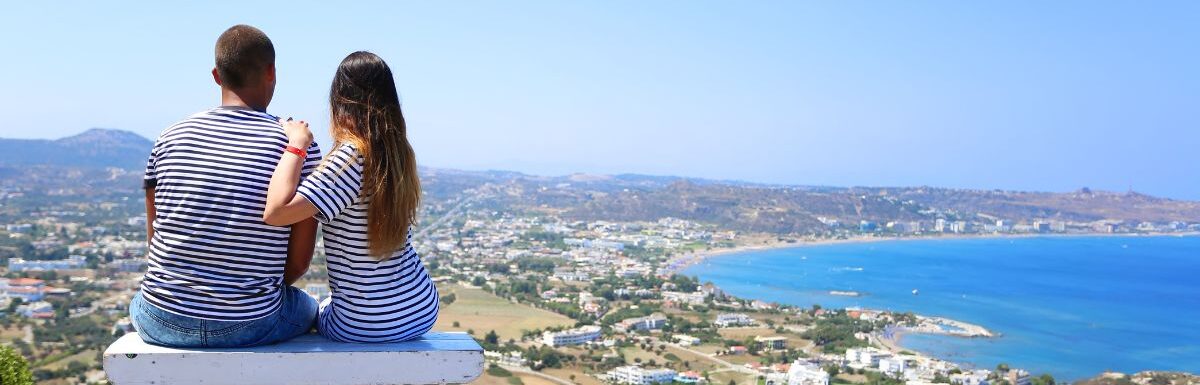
97 147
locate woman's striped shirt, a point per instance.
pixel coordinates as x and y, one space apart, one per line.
372 300
212 257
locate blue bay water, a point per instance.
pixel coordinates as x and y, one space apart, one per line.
1069 306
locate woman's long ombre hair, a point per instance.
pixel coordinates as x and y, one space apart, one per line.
365 112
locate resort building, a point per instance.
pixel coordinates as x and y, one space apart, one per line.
634 375
733 319
650 322
694 298
806 373
583 334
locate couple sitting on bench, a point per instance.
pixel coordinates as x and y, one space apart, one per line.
233 197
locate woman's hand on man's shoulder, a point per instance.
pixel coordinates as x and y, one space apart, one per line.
297 131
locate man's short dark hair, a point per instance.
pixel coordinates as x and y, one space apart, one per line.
243 55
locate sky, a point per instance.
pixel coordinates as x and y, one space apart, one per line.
1016 95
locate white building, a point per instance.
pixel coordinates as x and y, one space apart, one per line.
865 358
576 336
806 373
634 375
732 319
976 377
893 365
73 262
686 340
127 265
650 322
505 359
40 309
693 298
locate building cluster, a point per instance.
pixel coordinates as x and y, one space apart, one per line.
586 249
987 224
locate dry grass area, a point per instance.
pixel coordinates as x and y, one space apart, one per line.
722 378
87 357
852 378
580 377
481 311
8 334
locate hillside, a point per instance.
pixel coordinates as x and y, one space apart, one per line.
96 147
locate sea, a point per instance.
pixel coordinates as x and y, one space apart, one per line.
1071 306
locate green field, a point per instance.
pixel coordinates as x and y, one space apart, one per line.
481 311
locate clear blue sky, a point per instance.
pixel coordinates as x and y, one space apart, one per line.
1004 94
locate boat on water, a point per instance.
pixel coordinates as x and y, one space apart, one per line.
915 292
845 293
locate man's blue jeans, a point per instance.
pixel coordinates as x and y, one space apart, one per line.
159 327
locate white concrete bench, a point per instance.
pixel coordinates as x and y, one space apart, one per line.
436 358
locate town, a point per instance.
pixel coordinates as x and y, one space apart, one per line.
553 300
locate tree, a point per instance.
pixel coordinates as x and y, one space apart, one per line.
12 306
732 382
1047 379
491 338
14 369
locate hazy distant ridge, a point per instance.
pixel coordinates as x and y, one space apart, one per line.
731 204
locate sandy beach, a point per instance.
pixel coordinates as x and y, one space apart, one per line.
678 264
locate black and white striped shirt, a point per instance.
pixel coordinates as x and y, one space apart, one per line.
372 301
212 256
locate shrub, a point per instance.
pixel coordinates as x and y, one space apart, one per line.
14 369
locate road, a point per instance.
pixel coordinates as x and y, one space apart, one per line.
539 374
450 214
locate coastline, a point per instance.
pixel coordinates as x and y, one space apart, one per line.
890 339
678 264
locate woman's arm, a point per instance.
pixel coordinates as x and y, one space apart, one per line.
284 207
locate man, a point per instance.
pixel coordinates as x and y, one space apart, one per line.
218 275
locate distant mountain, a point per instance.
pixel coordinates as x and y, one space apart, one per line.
97 147
70 163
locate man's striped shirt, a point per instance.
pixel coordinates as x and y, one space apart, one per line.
372 301
212 256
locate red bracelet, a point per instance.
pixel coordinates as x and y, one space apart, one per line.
300 153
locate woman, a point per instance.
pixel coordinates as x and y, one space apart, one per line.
366 195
